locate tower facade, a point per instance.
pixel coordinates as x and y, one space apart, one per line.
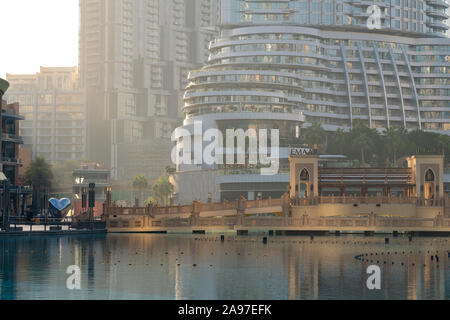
135 56
386 63
54 109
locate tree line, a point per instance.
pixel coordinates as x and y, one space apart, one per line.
372 147
160 191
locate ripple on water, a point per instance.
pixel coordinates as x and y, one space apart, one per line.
186 267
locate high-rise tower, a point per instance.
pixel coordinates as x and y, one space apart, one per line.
135 56
330 60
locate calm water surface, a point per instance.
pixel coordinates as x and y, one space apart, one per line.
133 266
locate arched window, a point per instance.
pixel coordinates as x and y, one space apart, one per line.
304 184
304 175
429 176
429 184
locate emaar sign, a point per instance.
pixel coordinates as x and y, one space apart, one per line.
302 152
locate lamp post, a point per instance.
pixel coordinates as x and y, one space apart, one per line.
108 196
83 199
91 203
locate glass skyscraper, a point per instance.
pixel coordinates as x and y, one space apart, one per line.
289 63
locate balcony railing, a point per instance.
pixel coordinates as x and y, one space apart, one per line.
12 137
11 160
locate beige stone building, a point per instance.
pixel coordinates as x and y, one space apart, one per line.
55 112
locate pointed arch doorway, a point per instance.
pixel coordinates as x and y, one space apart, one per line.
304 184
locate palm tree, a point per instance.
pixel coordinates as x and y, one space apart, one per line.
162 189
395 141
340 140
364 143
444 142
39 175
314 135
363 138
140 184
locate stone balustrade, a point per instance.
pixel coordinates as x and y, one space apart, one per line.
328 223
289 213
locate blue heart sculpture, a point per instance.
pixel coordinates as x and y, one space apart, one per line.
61 204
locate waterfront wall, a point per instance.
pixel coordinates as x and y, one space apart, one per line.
343 214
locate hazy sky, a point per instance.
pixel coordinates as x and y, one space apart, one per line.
38 32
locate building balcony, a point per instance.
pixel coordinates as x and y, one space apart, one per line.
436 24
10 115
439 14
438 3
12 138
367 3
11 161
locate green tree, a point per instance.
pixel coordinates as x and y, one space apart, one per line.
140 184
314 135
444 141
39 175
150 200
339 141
363 140
162 190
170 170
423 142
395 142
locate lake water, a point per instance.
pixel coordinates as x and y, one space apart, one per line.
146 266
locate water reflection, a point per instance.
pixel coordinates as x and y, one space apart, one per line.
202 267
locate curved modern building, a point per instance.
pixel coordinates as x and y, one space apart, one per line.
289 63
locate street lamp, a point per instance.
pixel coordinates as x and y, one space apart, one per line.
91 203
